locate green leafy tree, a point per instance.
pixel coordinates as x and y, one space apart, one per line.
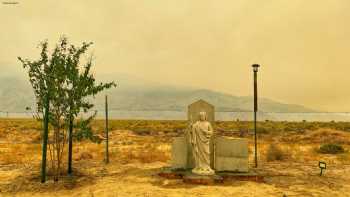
69 85
83 130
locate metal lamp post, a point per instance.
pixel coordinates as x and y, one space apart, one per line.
255 70
106 131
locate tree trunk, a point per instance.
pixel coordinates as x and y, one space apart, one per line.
70 145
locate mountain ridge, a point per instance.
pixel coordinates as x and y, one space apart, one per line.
134 94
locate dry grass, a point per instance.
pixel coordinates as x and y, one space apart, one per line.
135 157
129 146
83 156
319 136
275 153
19 153
147 154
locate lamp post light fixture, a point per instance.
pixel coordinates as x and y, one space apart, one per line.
255 67
255 70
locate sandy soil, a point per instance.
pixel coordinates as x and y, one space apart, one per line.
140 179
136 160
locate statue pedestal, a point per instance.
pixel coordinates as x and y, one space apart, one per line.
188 177
202 180
229 154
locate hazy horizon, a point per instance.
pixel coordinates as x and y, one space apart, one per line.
301 45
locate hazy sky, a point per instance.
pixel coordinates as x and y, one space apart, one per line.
302 45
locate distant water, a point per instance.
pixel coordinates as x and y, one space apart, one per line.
224 116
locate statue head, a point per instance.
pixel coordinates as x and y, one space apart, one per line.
202 116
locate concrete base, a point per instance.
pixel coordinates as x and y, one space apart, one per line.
245 176
218 178
170 173
202 180
231 164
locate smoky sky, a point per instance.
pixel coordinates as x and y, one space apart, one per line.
302 46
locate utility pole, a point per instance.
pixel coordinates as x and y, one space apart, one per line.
255 70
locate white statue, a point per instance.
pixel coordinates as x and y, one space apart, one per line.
199 135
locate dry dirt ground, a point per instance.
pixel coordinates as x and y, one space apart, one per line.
136 159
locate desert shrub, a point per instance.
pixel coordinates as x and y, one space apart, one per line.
36 137
311 126
346 128
84 156
262 130
342 126
141 131
331 149
290 127
275 153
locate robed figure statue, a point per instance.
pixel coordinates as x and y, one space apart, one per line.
199 135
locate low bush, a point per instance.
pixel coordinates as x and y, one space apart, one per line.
331 149
275 153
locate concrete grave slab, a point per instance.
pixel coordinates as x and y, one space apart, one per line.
231 154
179 153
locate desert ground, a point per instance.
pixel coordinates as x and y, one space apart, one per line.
139 149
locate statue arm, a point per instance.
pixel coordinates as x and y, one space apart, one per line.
209 130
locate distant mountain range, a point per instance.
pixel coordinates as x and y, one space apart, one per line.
133 94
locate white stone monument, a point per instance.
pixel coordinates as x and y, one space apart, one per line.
199 136
182 157
210 152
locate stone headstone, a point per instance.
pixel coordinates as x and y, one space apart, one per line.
201 106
